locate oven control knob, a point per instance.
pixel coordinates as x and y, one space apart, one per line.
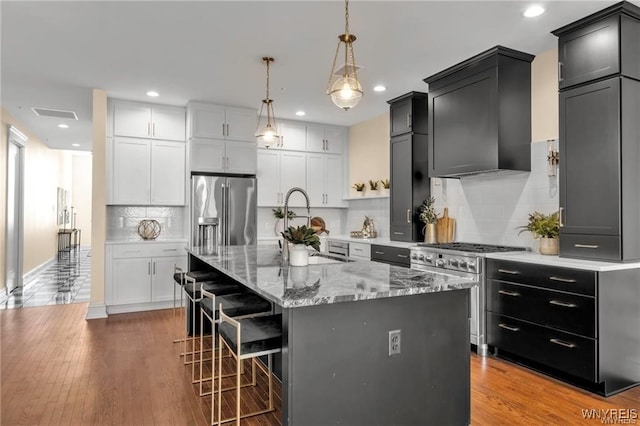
421 256
472 266
453 262
440 262
414 256
429 259
463 263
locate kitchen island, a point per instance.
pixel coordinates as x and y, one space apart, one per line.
337 318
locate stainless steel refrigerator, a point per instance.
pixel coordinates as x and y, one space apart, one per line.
223 211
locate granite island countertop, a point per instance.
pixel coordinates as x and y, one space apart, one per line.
262 270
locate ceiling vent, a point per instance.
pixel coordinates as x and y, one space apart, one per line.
55 113
341 70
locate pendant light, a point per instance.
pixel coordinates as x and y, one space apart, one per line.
345 91
267 134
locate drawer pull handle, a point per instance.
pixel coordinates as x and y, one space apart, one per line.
563 304
563 343
398 233
589 246
506 271
169 249
404 256
378 252
357 249
509 293
562 280
132 251
508 327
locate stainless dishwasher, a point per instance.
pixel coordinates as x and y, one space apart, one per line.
338 248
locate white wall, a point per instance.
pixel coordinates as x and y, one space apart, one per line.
81 193
489 208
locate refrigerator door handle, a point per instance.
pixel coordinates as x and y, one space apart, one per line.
227 212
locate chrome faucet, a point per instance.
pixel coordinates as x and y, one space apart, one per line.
285 247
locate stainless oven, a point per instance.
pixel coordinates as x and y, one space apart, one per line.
338 248
463 260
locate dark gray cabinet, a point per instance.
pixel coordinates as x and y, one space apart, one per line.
567 322
408 155
600 136
600 45
398 256
408 113
409 185
480 115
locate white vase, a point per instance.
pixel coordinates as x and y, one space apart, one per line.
298 255
298 276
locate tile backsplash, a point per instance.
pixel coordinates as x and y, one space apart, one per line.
333 219
123 221
376 208
489 208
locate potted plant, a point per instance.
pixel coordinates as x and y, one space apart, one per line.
373 185
299 238
428 216
386 184
359 187
278 213
546 228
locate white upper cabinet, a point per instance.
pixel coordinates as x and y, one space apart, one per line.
328 139
278 172
293 136
220 122
145 172
324 180
220 156
140 120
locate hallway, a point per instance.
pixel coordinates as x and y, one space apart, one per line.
66 280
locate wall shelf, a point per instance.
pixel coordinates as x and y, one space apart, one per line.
365 197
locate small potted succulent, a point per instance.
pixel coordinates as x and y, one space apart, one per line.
298 238
278 213
546 228
359 187
386 184
428 216
373 185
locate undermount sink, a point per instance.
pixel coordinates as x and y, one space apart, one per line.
316 258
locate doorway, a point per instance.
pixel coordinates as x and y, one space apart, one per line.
15 209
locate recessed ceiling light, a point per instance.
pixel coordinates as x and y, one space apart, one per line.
533 11
75 144
300 113
63 126
379 88
153 94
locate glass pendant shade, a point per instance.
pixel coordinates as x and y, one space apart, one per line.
346 92
267 134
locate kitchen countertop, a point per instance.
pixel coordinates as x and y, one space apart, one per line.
261 269
589 265
140 240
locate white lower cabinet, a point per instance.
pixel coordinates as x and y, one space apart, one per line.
139 276
360 250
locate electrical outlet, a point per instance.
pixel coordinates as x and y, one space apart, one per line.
394 342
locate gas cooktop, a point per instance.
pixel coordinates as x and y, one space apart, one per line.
471 247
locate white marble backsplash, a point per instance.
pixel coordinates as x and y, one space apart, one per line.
376 208
333 219
123 221
489 208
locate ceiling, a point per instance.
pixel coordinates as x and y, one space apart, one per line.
55 52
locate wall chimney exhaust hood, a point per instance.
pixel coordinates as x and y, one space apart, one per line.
480 115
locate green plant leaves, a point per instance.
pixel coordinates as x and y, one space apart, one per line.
302 235
542 225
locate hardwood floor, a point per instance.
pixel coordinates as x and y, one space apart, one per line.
58 369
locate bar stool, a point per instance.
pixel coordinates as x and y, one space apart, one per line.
192 290
237 306
178 278
247 338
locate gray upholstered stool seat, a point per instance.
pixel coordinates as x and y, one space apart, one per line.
219 288
259 334
235 305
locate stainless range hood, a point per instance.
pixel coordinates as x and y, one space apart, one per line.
480 115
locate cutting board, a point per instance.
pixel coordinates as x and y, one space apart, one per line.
445 227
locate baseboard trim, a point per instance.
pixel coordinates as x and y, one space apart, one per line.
138 307
96 312
44 265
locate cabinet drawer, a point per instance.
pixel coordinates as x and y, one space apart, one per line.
594 247
401 233
561 351
361 250
121 251
552 277
386 254
564 311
